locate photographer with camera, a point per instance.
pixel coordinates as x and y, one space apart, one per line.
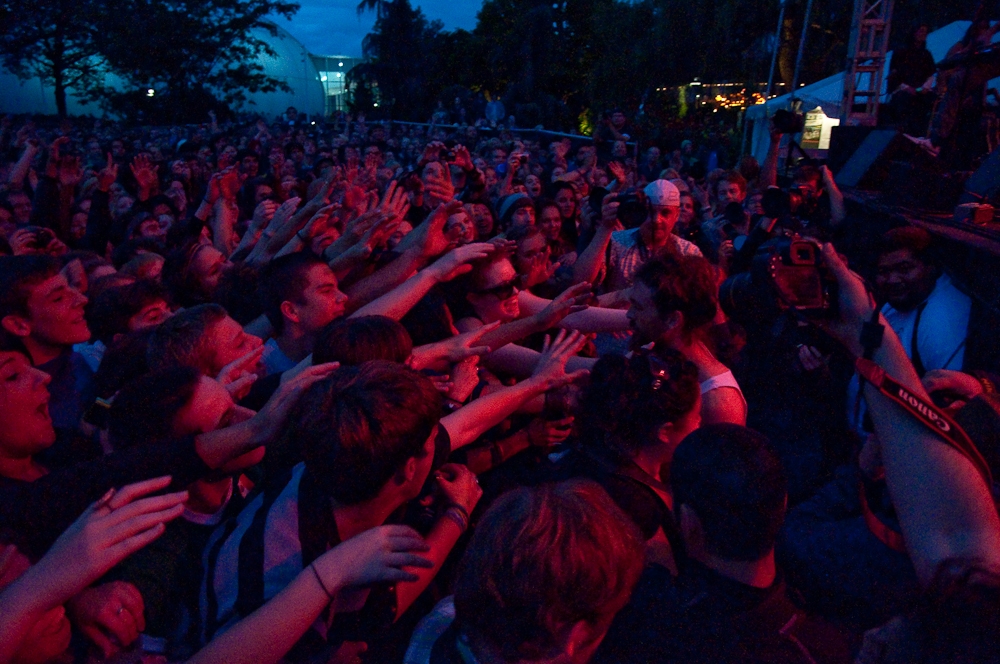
778 288
718 234
614 257
822 205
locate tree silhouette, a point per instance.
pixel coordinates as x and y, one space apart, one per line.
54 40
196 53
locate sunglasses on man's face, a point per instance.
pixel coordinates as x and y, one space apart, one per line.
502 291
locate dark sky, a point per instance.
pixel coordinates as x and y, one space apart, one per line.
332 27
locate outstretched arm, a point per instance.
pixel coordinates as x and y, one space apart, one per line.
944 506
587 320
396 303
267 634
470 422
588 266
837 211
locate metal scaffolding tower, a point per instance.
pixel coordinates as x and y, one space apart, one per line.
868 46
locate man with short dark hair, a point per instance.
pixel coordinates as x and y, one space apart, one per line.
730 189
371 439
728 603
300 295
928 313
671 304
822 202
203 337
131 307
543 577
38 305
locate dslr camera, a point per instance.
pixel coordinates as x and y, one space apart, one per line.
786 274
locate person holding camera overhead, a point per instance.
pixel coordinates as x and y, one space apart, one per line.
626 251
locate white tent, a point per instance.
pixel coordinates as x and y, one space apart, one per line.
827 94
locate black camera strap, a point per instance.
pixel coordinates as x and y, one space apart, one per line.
926 413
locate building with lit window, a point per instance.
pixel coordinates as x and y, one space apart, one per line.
333 75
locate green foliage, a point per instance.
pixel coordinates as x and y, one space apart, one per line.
402 52
195 53
558 59
55 40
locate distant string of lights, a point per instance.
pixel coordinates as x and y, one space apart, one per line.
724 98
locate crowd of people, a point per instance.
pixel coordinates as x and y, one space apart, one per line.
356 392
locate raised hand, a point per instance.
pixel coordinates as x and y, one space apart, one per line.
230 182
429 236
459 486
284 212
513 163
269 422
432 152
318 222
550 372
452 350
108 175
144 172
609 211
617 171
395 203
356 228
464 379
378 555
22 241
570 301
70 172
322 197
106 533
462 158
380 231
263 214
856 305
239 375
439 189
456 262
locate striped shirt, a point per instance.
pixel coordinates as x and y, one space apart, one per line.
252 557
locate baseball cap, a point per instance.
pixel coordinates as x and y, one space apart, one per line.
510 203
662 193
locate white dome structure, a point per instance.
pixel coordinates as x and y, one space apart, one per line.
291 63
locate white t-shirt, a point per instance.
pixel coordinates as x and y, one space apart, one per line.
944 322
